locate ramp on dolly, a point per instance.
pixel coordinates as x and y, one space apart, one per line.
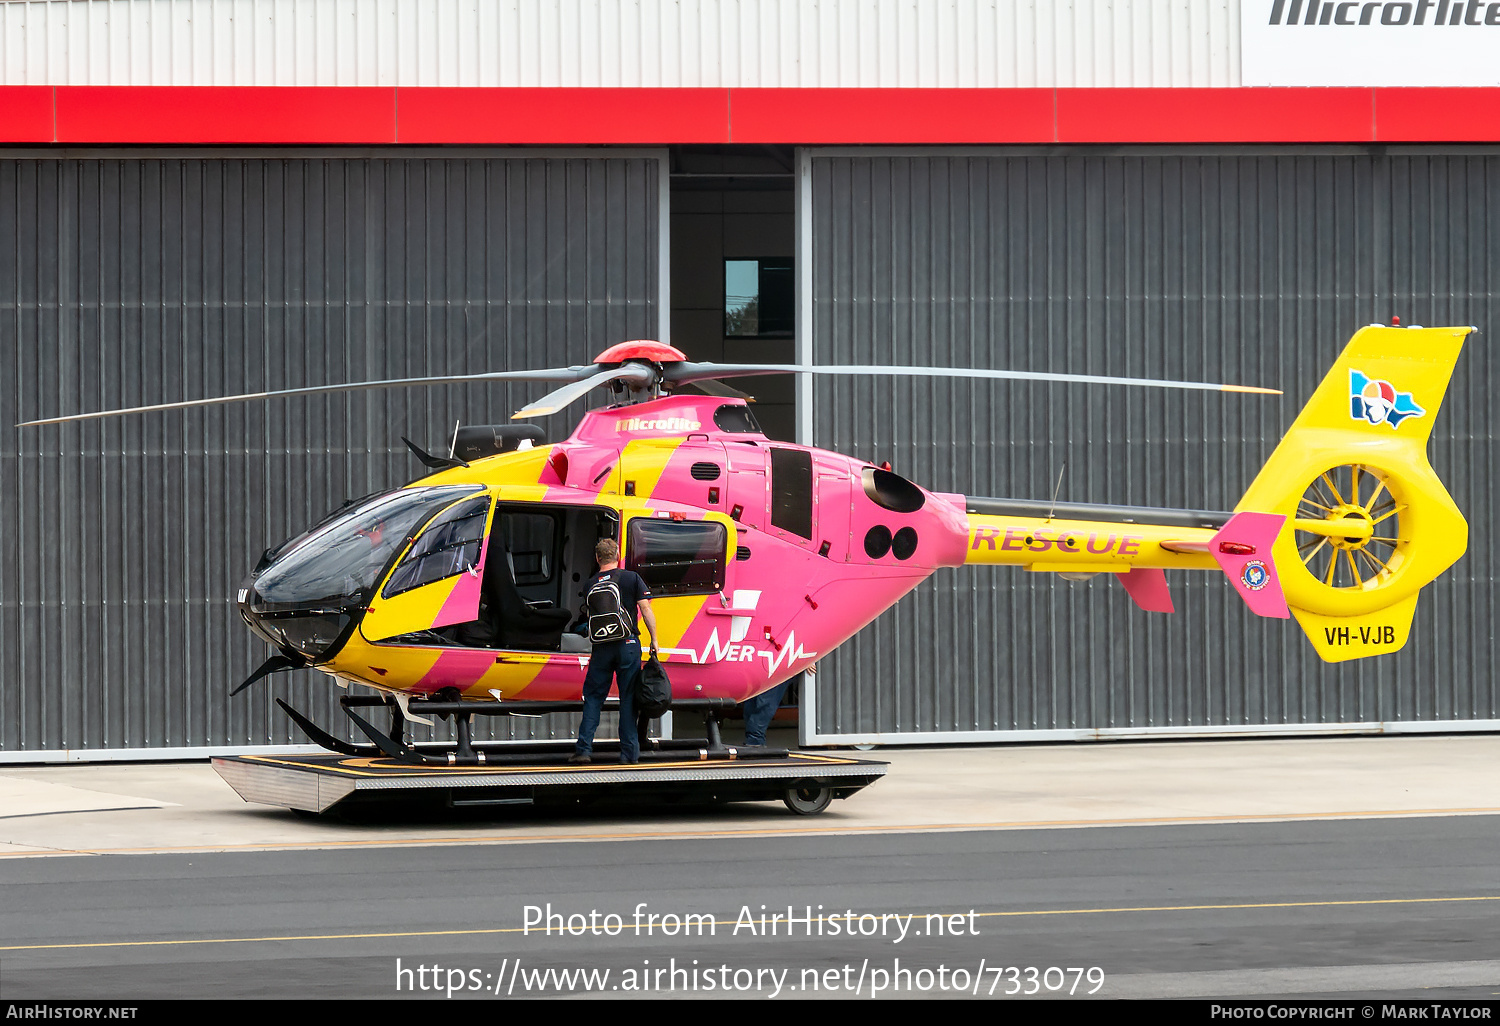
805 781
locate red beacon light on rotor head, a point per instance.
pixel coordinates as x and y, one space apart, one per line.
642 349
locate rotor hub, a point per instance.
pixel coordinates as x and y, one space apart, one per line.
642 349
1349 511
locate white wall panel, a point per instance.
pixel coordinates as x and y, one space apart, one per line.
672 43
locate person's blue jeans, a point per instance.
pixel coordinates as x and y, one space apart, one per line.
620 661
759 711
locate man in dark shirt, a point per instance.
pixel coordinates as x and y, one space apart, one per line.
618 659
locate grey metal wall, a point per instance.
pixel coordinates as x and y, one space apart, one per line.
127 280
1249 268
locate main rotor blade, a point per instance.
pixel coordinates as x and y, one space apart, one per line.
682 373
719 390
555 400
549 374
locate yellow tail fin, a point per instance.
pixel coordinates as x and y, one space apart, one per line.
1368 521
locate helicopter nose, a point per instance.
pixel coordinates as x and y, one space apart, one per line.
247 600
306 596
313 631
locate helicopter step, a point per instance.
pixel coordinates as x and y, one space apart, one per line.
807 782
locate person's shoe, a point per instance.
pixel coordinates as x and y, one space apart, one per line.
629 762
579 758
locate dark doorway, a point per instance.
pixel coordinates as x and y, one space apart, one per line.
733 244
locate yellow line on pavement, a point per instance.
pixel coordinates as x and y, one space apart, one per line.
782 831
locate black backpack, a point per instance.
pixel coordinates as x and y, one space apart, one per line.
606 611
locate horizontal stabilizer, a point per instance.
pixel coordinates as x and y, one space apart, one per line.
1242 548
1148 587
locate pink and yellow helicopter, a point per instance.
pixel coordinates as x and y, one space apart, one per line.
461 590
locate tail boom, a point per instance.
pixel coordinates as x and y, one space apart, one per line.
1138 552
1084 546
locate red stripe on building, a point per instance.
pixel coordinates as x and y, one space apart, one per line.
1437 115
313 115
1214 115
640 116
891 115
225 114
26 114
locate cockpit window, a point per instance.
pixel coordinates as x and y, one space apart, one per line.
337 563
449 546
324 521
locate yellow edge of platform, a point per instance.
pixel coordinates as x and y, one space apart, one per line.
366 766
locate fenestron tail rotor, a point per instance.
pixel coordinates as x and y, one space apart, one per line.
1349 527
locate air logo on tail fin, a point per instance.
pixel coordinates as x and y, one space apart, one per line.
1378 402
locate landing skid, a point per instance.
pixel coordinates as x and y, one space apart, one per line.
465 752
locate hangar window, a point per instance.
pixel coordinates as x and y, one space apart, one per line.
759 298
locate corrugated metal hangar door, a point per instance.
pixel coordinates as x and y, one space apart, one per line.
1242 267
138 278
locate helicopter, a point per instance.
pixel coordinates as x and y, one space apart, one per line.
458 593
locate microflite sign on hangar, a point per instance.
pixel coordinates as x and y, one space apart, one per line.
236 197
1336 43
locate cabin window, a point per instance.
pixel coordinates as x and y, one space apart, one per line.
792 491
677 557
736 420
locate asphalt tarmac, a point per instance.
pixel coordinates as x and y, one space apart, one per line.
1350 868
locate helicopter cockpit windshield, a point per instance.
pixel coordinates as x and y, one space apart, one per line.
304 598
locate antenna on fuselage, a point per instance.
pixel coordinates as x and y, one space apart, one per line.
453 445
1057 489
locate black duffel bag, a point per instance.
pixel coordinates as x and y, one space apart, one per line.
653 690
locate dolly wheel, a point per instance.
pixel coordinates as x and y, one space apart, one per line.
809 800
